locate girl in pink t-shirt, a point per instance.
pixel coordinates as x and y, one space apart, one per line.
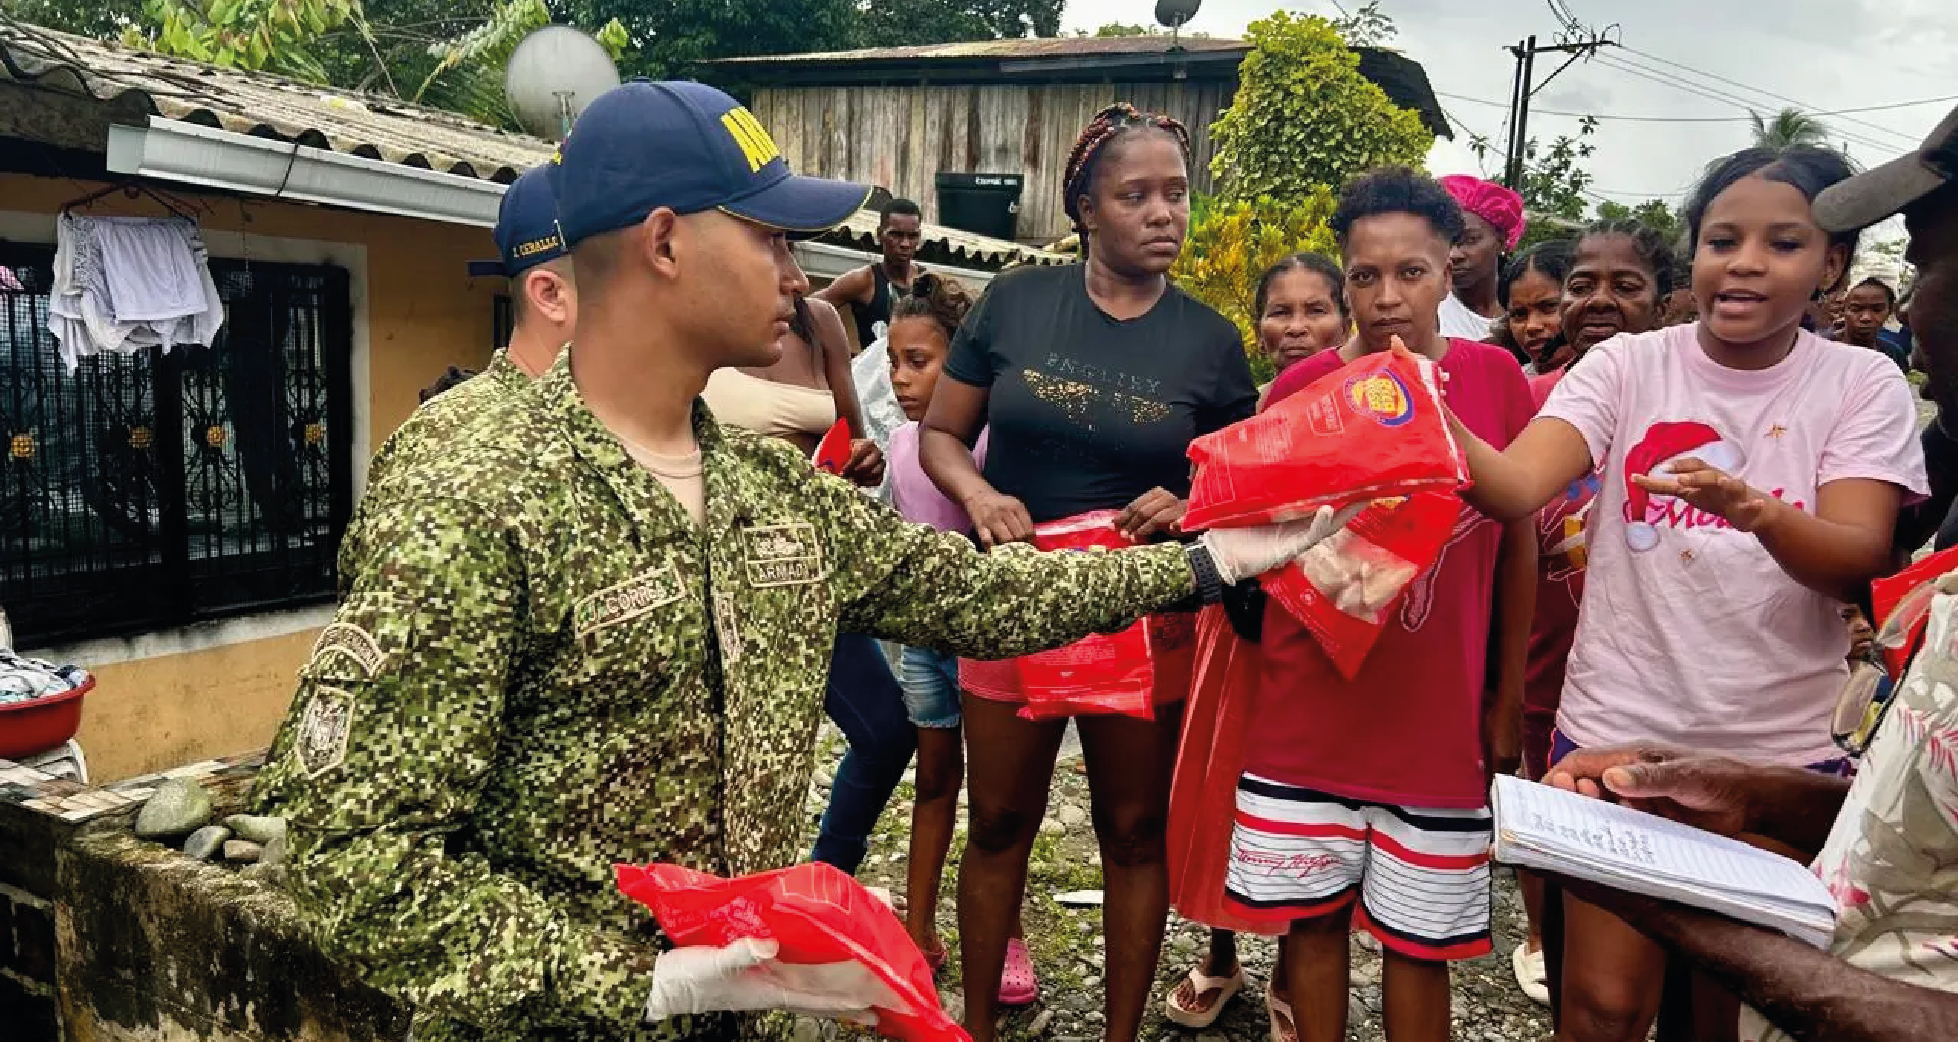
1751 474
1610 281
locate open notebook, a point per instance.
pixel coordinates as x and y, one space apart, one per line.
1556 831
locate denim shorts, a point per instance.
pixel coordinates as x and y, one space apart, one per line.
931 682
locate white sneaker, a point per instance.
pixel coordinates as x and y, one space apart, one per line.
1531 975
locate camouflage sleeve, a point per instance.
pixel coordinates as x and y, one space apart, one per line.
395 725
906 582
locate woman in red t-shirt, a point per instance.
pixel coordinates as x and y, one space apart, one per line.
1362 801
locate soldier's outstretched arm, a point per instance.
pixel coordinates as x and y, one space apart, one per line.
908 583
378 769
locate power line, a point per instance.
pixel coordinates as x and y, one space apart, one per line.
1757 90
1691 119
1598 194
1716 94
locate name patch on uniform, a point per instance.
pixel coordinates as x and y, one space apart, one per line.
350 643
321 744
782 555
623 602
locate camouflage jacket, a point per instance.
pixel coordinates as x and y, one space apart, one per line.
427 431
543 667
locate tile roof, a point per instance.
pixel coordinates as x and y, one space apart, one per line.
133 84
265 105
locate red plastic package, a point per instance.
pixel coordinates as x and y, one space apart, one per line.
1372 429
1891 593
1204 790
817 914
1103 673
1344 589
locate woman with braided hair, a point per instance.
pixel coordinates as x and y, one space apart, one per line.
1091 381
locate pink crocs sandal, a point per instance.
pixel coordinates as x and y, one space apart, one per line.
1018 987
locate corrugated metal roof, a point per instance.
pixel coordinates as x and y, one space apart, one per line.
132 84
265 105
1006 50
860 232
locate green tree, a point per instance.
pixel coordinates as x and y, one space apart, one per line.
1555 182
1788 127
99 18
1230 244
1304 116
898 23
1653 213
1366 26
1125 29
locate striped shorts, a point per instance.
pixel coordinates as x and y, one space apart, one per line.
1417 878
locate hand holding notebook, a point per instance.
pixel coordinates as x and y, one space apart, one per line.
1550 830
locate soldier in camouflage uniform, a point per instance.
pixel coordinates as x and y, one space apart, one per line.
532 256
548 663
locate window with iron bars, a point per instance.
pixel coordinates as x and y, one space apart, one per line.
152 490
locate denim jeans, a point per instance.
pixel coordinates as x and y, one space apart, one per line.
864 700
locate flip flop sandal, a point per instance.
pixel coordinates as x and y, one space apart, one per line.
1203 1017
1279 1012
1018 986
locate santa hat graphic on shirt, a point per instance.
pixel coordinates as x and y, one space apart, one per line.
1664 443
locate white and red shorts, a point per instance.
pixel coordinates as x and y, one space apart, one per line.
1418 878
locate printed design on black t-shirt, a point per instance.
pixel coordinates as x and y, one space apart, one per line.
1079 399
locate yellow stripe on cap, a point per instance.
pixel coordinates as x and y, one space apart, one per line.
751 137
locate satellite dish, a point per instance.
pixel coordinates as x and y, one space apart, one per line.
552 75
1172 14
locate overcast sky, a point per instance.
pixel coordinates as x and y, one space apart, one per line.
1826 54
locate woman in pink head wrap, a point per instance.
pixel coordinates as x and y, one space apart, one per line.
1493 218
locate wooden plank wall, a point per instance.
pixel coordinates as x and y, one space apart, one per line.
900 137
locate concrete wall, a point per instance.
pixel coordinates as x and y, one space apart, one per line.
210 690
107 938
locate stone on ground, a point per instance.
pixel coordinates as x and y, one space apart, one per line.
256 828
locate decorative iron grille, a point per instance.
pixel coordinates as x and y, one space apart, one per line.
502 321
151 490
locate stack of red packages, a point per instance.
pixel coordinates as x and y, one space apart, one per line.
1104 673
1372 431
818 916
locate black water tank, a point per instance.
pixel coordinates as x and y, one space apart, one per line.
984 204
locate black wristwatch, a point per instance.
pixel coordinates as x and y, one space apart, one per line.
1210 585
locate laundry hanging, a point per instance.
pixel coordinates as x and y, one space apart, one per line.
126 284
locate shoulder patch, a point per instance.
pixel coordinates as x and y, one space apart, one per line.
324 728
344 644
782 555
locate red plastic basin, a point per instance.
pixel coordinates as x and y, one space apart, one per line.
36 726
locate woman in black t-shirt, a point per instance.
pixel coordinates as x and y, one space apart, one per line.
1092 380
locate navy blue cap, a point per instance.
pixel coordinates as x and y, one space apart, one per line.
527 227
687 147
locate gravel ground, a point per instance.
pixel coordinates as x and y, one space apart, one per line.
1067 942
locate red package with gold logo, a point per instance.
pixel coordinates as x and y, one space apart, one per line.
1103 672
1372 429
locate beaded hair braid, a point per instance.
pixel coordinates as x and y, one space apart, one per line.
1104 128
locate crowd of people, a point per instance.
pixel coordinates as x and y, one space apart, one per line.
596 598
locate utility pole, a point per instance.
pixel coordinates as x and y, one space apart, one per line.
1522 88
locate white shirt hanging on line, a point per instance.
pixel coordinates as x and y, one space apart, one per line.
125 284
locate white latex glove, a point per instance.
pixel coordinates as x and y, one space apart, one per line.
744 977
1241 553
